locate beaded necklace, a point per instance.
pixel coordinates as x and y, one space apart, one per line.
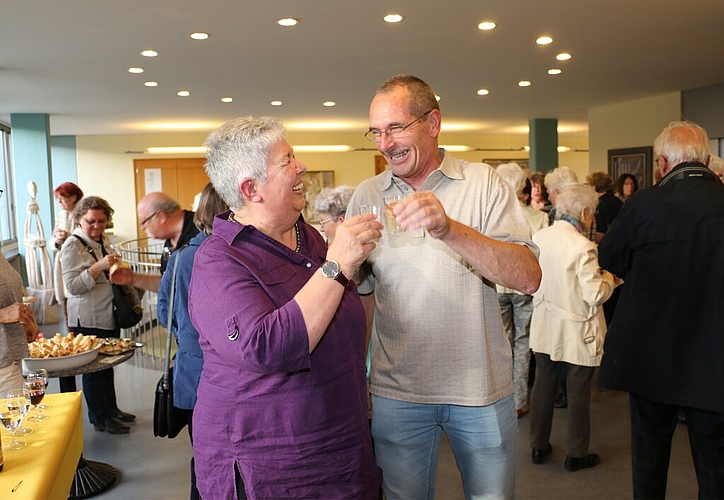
296 231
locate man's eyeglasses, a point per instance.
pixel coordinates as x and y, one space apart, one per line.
145 221
393 132
100 222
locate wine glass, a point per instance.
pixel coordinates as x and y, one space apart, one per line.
42 373
19 400
11 419
36 388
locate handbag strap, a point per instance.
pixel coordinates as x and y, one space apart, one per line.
169 320
90 250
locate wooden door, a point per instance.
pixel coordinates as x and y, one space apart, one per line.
180 178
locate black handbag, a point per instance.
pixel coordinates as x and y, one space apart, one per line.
127 308
167 419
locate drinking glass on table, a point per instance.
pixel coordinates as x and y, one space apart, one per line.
36 389
18 400
11 418
42 373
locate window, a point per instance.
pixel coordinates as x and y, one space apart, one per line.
8 229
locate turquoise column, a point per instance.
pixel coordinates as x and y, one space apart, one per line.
30 136
543 140
64 162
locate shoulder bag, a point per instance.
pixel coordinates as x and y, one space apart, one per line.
167 419
127 308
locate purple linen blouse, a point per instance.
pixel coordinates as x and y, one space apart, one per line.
295 424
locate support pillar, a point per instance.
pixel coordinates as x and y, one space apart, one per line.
543 140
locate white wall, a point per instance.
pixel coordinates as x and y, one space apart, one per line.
629 124
105 163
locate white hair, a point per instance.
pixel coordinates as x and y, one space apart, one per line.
574 198
558 178
513 175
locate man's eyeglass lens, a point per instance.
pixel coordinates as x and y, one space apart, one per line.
395 131
145 221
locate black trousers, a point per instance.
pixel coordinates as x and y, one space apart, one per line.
99 388
578 383
652 427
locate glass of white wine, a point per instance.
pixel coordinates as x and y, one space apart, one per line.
18 400
11 418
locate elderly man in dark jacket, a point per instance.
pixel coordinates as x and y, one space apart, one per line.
665 345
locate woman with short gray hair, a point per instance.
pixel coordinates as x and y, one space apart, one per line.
568 325
331 205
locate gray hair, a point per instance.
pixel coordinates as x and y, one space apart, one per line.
574 198
421 96
683 141
93 203
558 178
513 175
239 150
333 200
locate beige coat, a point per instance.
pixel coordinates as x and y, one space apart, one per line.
568 322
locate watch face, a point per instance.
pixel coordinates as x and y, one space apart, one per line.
330 269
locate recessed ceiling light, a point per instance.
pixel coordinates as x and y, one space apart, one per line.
199 36
151 84
393 18
483 92
544 40
563 149
135 70
554 71
486 25
183 93
149 53
287 21
276 103
329 104
524 83
227 99
563 56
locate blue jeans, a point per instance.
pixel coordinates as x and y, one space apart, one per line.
407 437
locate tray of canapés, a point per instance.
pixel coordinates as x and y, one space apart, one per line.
72 351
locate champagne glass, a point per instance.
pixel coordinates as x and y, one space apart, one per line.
19 400
42 373
36 388
11 418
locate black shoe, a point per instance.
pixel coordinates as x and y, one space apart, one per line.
112 426
538 455
575 464
561 401
122 416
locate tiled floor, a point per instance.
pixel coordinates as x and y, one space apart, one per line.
156 468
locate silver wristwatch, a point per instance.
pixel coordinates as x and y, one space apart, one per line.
331 269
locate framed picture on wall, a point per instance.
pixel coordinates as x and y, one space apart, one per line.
634 161
314 182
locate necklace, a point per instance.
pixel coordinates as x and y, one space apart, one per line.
296 231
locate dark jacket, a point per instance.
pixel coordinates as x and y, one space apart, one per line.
666 340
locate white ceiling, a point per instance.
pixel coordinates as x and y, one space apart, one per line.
69 59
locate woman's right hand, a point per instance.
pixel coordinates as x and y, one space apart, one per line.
353 242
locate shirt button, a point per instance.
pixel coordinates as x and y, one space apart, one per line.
309 264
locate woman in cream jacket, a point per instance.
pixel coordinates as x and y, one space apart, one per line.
568 325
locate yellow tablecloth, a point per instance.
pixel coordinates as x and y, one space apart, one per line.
46 466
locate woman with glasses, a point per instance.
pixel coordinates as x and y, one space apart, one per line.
331 204
85 262
67 194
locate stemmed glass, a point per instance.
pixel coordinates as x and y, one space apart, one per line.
19 400
36 388
42 373
11 417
